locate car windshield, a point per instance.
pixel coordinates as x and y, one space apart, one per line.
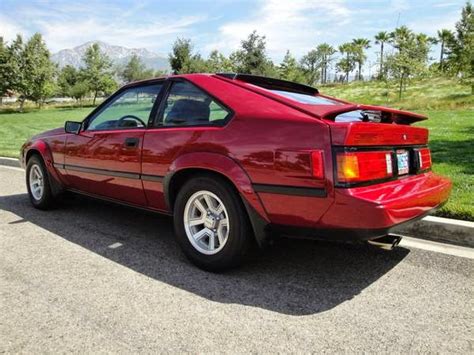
306 99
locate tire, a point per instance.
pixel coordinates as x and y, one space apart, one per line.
231 226
45 199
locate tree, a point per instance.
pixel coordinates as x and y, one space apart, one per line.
461 47
195 64
67 78
316 62
381 38
359 46
444 36
97 71
401 37
183 61
218 63
135 70
5 84
347 63
71 83
310 64
31 70
326 52
252 57
289 69
411 56
181 55
79 90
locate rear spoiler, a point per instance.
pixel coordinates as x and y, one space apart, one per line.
391 114
271 83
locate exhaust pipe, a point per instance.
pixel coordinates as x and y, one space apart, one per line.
387 242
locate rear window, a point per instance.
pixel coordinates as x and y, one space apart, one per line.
305 99
359 116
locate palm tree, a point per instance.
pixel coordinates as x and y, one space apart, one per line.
400 37
360 44
326 51
347 64
444 36
381 38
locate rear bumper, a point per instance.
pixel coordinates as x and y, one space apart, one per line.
365 213
341 234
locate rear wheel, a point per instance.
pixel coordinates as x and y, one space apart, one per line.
38 184
211 224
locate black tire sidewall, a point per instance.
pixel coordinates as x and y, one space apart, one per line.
237 243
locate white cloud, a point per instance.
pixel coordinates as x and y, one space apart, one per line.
68 24
446 4
9 29
399 5
431 25
61 34
295 25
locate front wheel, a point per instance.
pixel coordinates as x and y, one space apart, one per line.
211 224
38 184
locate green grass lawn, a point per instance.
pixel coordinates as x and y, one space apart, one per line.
451 135
421 94
452 147
16 128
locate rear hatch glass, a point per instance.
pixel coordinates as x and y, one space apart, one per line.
306 99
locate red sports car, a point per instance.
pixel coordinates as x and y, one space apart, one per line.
236 158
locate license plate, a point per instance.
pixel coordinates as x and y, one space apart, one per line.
402 160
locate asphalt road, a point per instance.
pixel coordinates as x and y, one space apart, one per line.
95 277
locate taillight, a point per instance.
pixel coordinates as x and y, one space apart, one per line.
317 164
363 166
424 158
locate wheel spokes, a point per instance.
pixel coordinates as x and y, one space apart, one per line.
198 204
212 241
206 222
201 234
209 203
36 182
197 221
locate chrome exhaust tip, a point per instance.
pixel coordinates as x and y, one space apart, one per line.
387 242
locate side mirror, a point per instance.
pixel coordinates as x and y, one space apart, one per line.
72 127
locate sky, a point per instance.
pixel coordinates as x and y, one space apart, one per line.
295 25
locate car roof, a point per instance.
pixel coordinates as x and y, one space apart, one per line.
257 80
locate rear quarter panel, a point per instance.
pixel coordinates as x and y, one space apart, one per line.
270 141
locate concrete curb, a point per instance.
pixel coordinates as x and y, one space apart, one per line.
443 230
10 162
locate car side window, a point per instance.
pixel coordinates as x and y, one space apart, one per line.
130 109
187 105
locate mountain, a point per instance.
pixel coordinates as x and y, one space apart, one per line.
118 55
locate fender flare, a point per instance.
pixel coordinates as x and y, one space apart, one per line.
227 167
42 148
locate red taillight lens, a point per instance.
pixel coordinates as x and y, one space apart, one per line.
317 164
424 158
363 166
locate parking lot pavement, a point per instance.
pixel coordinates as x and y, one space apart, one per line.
92 276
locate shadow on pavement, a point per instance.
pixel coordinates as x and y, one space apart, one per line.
295 277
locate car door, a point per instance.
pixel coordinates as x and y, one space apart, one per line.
185 114
105 157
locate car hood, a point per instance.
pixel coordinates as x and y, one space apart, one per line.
50 133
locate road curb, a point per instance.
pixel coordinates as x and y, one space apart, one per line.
10 162
443 230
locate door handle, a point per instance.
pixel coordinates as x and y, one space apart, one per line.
131 142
